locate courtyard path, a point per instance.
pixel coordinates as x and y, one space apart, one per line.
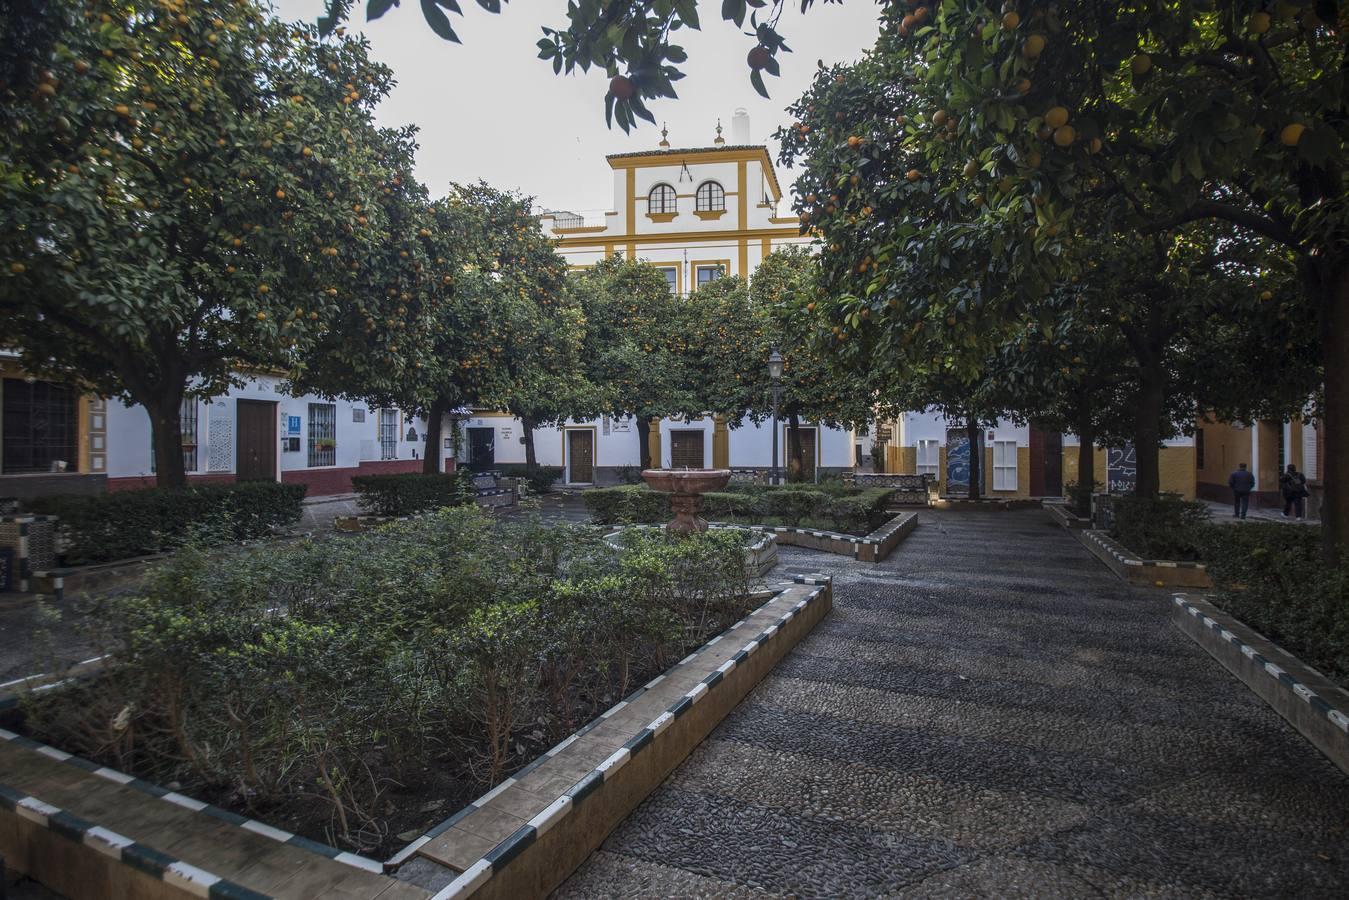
989 712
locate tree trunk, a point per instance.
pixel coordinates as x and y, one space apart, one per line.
166 434
1086 468
976 458
531 458
1148 408
1333 286
644 442
434 415
796 463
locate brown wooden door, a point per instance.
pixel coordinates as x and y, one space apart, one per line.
581 456
686 450
1046 463
255 440
1053 464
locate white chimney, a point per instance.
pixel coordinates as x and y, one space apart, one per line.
740 127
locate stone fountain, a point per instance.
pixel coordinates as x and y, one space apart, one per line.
686 488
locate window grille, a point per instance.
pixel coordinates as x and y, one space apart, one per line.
661 199
40 427
388 434
187 422
710 197
322 434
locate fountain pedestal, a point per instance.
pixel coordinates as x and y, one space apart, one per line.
686 488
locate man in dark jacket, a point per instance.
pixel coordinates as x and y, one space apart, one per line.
1242 483
1293 486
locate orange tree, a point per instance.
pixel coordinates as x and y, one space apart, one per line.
636 350
182 193
737 326
1035 125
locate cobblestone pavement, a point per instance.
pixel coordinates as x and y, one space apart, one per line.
989 712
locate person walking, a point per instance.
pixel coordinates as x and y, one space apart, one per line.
1293 485
1242 482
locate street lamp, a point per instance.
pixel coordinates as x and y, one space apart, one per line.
775 362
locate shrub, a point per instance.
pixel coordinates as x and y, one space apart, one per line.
862 512
628 504
339 666
540 480
105 527
406 494
1271 577
1165 528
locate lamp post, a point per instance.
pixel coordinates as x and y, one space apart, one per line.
775 375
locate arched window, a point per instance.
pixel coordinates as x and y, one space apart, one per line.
711 197
661 199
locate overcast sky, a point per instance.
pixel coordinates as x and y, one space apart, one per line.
489 108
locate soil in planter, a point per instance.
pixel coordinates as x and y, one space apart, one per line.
414 801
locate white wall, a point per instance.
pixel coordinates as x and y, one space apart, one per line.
129 438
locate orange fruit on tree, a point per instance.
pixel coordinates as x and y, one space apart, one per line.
1056 117
1033 47
1292 133
1010 21
1065 135
1141 64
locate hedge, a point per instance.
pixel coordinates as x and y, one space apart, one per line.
628 504
105 527
1270 576
856 512
1163 528
406 494
540 480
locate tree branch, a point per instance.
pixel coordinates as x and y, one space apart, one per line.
1212 209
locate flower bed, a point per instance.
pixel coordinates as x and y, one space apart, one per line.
826 507
354 689
1268 575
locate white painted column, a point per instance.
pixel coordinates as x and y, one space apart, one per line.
1255 453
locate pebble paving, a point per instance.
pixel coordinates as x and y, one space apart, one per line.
989 712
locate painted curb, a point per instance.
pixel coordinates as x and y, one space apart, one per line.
496 860
215 812
192 880
1319 710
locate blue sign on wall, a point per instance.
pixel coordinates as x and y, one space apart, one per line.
292 424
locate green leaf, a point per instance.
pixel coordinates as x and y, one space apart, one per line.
439 22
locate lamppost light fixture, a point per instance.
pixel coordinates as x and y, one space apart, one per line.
775 362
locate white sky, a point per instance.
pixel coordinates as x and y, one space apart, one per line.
490 109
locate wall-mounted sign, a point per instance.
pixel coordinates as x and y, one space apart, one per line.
505 432
292 424
357 415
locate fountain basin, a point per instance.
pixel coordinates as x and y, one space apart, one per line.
686 487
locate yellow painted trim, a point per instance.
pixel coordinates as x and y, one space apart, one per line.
709 215
662 217
574 266
653 443
631 220
721 443
644 160
679 275
744 258
608 249
582 229
741 208
82 434
783 220
489 414
695 263
632 249
679 237
766 248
